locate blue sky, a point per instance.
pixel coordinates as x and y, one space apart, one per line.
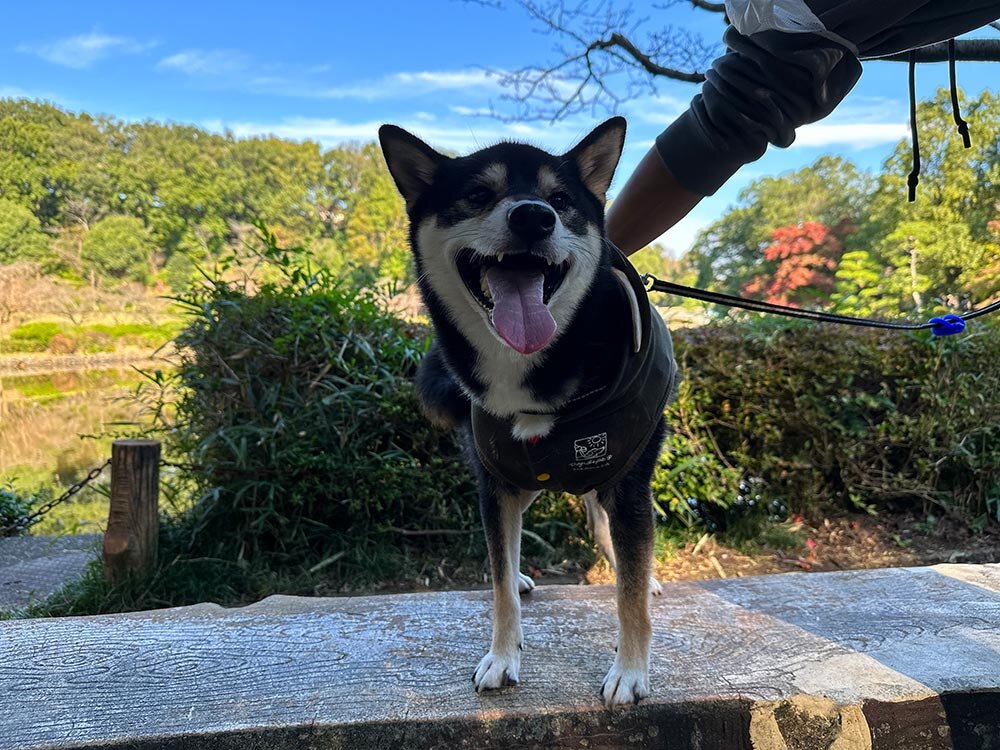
333 72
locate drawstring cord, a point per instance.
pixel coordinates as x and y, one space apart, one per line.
914 177
963 126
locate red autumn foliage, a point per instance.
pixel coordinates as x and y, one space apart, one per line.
804 257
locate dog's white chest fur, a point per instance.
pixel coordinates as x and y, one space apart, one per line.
502 373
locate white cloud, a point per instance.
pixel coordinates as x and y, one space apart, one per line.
83 50
660 109
411 84
858 135
235 69
464 111
196 62
458 137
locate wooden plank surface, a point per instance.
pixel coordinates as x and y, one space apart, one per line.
795 661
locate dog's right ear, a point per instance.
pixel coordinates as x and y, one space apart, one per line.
412 163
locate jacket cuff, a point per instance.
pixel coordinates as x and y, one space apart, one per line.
695 162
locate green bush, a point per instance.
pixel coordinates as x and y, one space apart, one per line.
295 401
15 509
826 417
120 247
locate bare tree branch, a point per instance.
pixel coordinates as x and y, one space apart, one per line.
605 56
617 40
966 50
705 5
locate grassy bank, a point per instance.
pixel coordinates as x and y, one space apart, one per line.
56 337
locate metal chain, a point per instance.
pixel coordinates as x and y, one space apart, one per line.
24 523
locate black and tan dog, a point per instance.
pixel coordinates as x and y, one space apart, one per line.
548 359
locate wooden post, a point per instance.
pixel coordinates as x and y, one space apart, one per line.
133 519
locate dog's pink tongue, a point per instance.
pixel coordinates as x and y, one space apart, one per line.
519 314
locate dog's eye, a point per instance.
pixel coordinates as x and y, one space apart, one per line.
479 196
559 201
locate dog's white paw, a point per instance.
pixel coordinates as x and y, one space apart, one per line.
497 670
655 589
525 583
623 686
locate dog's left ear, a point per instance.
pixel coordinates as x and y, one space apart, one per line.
597 155
412 163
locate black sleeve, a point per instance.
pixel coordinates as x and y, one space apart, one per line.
759 92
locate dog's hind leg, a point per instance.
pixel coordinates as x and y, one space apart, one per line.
600 529
501 511
525 583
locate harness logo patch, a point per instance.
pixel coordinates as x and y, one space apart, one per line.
588 448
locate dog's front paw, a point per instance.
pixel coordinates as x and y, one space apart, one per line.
525 583
625 686
655 589
497 670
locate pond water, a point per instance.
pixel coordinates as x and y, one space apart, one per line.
55 427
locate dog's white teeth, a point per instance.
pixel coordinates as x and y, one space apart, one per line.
500 258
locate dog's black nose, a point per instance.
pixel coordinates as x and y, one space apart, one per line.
531 221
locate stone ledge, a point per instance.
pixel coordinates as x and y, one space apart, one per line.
902 659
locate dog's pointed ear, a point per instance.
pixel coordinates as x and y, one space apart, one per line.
597 155
412 163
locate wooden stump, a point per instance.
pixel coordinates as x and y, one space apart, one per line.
133 519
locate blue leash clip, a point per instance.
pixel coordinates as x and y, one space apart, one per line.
947 325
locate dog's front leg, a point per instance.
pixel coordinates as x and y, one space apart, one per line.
501 511
631 517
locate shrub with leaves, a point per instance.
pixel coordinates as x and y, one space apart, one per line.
14 511
834 416
294 410
295 404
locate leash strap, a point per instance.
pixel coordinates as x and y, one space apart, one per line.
945 325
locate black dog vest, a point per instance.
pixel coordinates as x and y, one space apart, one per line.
593 446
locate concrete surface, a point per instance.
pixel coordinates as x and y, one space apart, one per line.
35 567
903 659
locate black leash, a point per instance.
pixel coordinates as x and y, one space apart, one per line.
946 325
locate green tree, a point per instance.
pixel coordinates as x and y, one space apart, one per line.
21 236
832 191
938 250
278 182
375 233
119 247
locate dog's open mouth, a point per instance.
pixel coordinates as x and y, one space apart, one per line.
515 289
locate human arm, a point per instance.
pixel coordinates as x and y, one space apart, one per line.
766 86
649 204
